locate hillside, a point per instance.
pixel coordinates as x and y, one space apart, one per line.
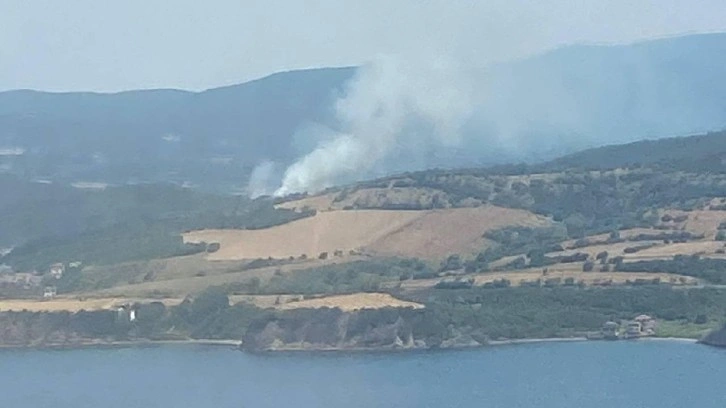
695 153
534 109
438 258
52 222
163 135
431 234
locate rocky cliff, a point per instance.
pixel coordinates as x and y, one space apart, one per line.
716 338
332 329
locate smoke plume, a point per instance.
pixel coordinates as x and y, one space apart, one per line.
407 114
390 105
262 180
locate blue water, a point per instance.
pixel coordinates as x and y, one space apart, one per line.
562 375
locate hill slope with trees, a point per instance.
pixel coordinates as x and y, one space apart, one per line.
535 109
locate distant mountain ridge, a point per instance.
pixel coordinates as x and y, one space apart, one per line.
536 109
163 135
691 153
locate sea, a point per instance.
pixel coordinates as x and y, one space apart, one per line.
638 374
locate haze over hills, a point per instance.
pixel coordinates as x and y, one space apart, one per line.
529 110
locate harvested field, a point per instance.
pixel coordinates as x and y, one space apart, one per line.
658 251
428 234
705 222
74 304
322 202
601 239
685 248
190 285
161 269
700 222
612 249
351 302
368 198
573 271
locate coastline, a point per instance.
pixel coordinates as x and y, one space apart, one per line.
89 344
674 339
236 345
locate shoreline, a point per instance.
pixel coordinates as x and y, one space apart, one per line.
236 345
674 339
90 344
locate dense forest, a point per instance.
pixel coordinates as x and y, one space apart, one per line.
50 223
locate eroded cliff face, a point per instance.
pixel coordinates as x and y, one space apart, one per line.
716 338
21 329
323 329
332 329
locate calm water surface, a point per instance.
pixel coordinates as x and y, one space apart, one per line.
555 375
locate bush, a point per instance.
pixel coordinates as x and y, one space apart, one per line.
452 263
578 257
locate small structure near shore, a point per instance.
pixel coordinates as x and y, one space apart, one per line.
610 330
641 326
647 323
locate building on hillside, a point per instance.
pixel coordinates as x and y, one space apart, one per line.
56 270
49 292
647 324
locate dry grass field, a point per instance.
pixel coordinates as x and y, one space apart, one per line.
365 198
351 302
563 272
184 286
428 234
70 304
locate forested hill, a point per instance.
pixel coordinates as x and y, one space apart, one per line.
163 135
705 153
54 221
534 109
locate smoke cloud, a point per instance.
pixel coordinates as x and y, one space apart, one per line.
263 179
390 105
401 114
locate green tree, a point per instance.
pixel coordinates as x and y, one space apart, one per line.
208 302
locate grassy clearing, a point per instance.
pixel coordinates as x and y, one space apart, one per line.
684 329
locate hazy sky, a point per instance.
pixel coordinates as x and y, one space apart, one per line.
193 44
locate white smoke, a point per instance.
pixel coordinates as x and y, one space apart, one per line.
389 103
262 180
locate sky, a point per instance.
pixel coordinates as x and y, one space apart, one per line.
92 45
